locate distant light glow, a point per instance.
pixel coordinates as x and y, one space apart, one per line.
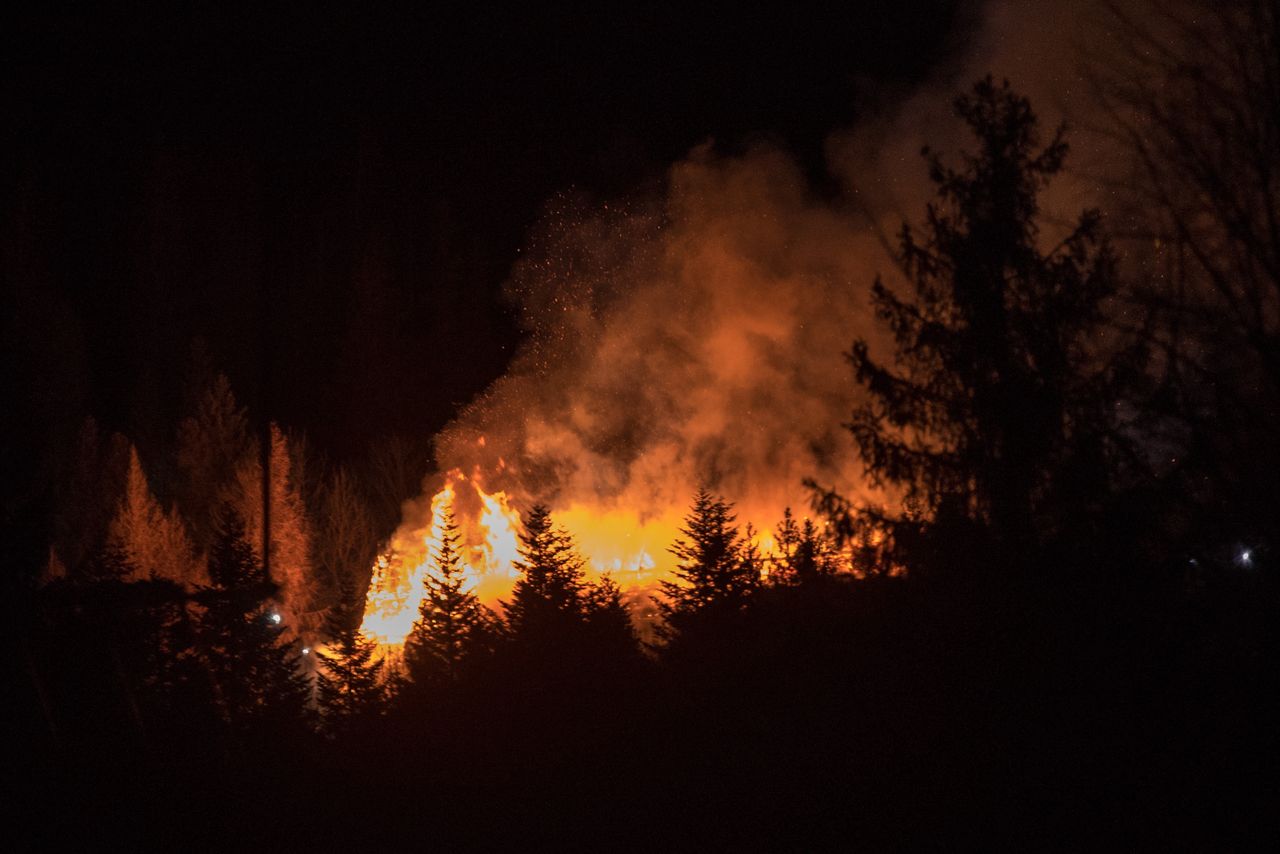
1245 557
275 618
306 650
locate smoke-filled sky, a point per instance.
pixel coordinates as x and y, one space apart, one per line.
641 238
694 335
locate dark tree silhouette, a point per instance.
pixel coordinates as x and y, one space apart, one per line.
260 689
716 572
805 552
344 542
454 630
350 684
990 414
610 632
557 621
547 600
1189 92
212 442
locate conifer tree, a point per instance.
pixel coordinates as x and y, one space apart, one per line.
454 630
88 497
256 673
213 441
291 537
562 628
608 623
350 683
990 416
547 603
804 551
154 542
345 540
715 574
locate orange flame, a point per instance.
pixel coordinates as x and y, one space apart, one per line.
631 546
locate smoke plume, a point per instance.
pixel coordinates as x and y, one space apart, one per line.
696 337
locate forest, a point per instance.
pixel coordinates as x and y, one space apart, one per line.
1052 625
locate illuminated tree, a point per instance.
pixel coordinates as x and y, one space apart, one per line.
212 442
345 541
154 542
454 630
290 563
994 412
716 572
350 684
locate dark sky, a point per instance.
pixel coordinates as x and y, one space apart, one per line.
358 188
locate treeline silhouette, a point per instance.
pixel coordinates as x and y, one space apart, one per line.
1061 635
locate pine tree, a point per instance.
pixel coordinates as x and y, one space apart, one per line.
547 603
610 632
988 417
256 673
454 630
212 442
565 635
290 533
345 541
715 573
154 542
350 683
804 552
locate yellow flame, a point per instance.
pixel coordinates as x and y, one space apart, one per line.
488 542
630 546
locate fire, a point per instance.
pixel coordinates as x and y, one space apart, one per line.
630 545
488 526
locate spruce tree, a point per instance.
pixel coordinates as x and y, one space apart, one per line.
610 632
291 537
154 541
213 440
256 674
350 683
805 552
547 603
992 418
716 573
561 628
454 629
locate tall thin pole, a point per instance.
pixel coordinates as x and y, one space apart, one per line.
266 346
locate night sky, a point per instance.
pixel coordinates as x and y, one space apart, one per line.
335 201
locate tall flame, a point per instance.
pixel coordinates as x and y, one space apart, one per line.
488 527
630 546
